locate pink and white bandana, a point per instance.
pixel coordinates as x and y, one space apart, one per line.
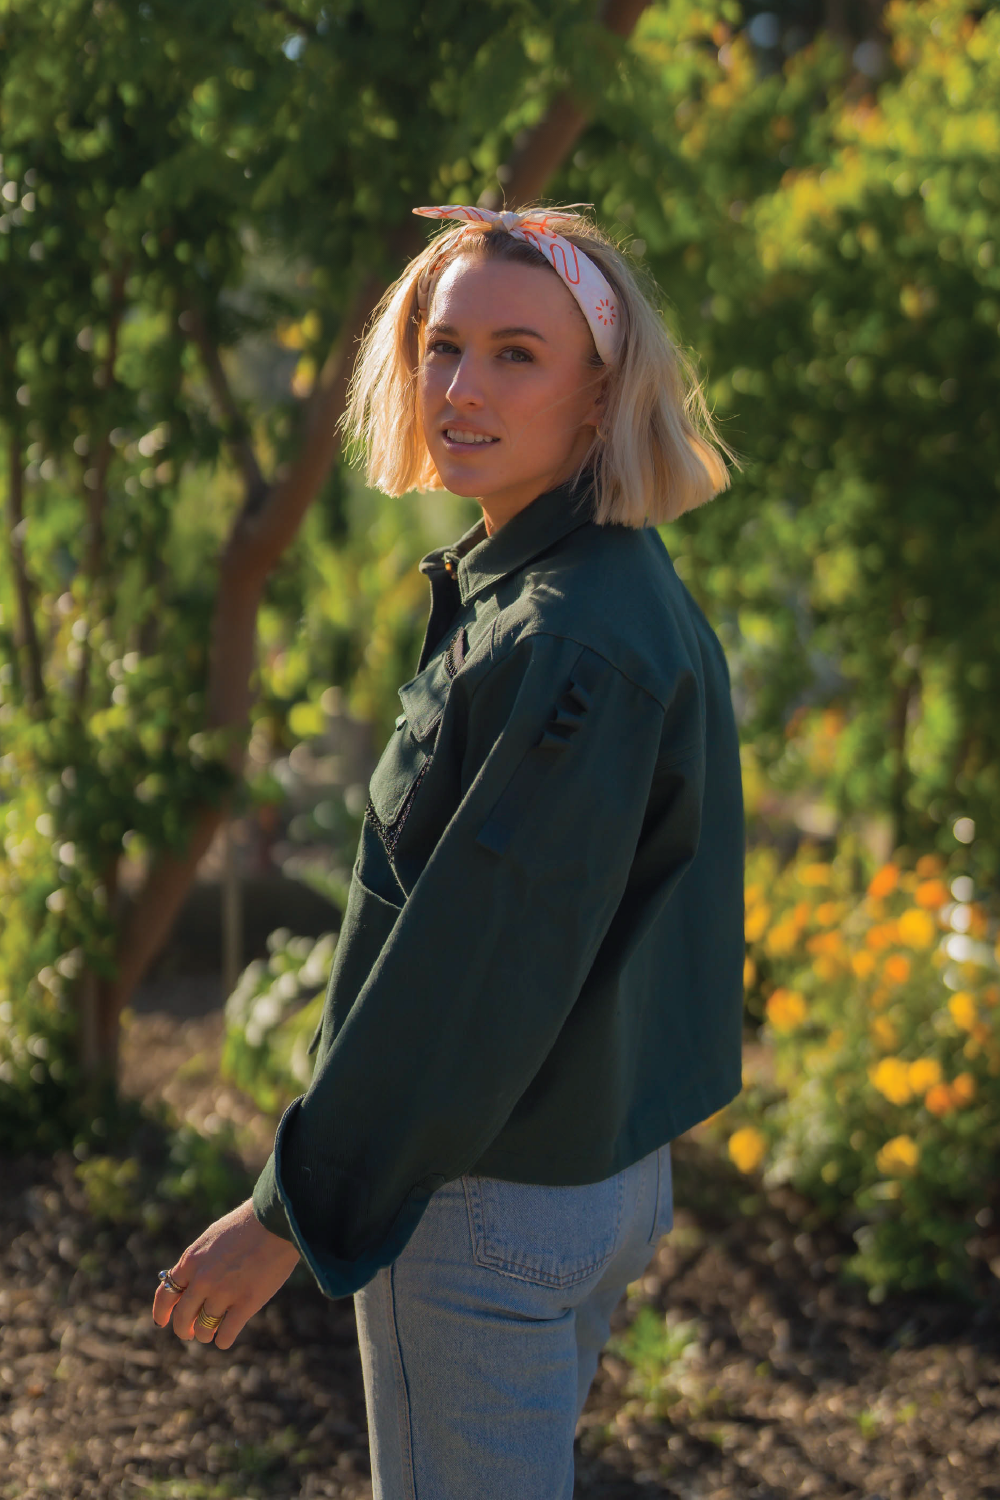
577 271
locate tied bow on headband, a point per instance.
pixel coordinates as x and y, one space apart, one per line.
576 270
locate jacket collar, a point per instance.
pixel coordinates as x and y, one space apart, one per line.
479 561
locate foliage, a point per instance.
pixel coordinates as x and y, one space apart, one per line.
178 1165
829 249
271 1017
882 1011
656 1348
189 201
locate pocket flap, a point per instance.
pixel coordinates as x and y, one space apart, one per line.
423 699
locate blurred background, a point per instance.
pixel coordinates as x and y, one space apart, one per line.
205 615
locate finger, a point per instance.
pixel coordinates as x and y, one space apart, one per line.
185 1311
232 1324
164 1303
206 1335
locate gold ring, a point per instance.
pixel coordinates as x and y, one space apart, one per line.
207 1319
167 1280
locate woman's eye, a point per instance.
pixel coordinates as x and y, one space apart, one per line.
442 346
517 356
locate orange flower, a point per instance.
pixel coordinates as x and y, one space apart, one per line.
931 894
963 1010
916 928
940 1099
862 963
785 1009
884 881
881 935
826 942
964 1088
924 1074
782 938
892 1079
827 913
928 865
897 968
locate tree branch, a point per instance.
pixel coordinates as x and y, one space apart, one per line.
97 491
549 142
33 679
234 425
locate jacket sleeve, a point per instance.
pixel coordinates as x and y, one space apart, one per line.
484 963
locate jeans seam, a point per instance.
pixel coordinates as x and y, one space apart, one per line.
402 1392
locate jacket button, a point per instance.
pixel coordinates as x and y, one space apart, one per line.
400 721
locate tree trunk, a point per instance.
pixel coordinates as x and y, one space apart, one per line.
271 516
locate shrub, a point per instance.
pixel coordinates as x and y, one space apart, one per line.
271 1017
881 1011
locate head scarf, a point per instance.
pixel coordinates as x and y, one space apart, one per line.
578 273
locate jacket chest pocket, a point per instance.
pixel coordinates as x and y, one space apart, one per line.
409 753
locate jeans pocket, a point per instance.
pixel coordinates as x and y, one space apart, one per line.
663 1218
551 1236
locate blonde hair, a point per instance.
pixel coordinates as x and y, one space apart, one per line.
657 453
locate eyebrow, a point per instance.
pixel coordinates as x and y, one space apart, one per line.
498 333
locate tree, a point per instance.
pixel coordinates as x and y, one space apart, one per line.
155 159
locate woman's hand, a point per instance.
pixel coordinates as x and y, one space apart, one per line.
233 1268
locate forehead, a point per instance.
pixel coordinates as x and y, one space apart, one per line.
473 295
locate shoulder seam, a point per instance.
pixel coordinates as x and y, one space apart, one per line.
554 635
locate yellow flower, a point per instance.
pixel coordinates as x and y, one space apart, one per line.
898 1157
892 1079
825 967
916 928
884 881
749 972
815 874
931 894
964 1088
747 1148
785 1009
885 1033
862 963
963 1010
897 968
782 938
924 1074
757 919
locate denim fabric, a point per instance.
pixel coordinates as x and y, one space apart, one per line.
480 1341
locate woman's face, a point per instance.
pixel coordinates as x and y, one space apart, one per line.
506 397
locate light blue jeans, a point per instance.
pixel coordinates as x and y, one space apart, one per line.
479 1343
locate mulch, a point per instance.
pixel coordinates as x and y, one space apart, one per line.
794 1384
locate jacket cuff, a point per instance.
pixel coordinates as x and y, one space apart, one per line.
335 1276
267 1202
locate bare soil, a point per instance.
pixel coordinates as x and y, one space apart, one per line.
794 1386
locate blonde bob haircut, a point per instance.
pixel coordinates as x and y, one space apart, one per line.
657 453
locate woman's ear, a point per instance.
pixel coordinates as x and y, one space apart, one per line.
595 415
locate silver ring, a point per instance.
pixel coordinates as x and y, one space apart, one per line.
167 1280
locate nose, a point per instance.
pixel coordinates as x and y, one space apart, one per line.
465 391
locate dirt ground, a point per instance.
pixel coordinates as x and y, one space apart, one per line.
794 1384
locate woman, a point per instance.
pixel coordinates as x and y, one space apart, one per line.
538 982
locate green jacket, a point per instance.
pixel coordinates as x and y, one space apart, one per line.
539 975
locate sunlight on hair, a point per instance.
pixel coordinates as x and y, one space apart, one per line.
657 454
